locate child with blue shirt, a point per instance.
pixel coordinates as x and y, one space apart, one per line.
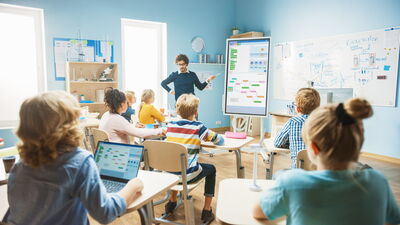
337 192
56 182
130 99
307 99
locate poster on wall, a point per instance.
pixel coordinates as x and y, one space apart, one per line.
80 50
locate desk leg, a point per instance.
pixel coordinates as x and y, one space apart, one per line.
143 216
150 212
239 167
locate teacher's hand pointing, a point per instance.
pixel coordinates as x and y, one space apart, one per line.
210 78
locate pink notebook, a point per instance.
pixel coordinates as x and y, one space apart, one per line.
236 135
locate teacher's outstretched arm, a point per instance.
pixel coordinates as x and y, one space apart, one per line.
198 84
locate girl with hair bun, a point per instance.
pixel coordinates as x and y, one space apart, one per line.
116 126
337 192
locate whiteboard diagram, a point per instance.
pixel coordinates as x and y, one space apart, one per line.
366 62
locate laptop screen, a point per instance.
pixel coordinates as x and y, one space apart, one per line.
120 161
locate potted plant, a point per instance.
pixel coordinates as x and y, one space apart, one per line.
235 30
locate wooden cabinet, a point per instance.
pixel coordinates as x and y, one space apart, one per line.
83 81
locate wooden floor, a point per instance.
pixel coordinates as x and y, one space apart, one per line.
226 168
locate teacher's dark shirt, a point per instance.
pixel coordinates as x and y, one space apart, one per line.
184 83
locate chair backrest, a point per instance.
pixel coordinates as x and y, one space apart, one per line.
165 155
98 135
240 123
304 162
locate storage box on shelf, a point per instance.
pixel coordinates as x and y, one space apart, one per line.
83 79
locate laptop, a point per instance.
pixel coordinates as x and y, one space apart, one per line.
117 163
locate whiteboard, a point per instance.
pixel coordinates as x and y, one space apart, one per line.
246 80
366 61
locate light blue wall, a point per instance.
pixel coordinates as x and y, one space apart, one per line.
291 20
100 19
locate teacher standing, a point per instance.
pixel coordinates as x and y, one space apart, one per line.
183 79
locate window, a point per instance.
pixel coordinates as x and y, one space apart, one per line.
144 57
22 61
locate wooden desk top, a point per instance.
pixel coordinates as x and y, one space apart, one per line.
89 122
239 209
154 183
269 145
230 143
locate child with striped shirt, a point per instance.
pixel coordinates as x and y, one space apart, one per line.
190 133
307 99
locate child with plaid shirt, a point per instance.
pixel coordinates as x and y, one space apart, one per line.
307 99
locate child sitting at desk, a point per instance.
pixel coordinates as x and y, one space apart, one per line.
190 133
307 99
335 193
55 182
118 128
148 114
131 99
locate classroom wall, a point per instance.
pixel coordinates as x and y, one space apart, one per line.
100 19
291 20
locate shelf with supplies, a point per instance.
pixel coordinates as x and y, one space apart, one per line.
215 64
93 82
248 35
88 80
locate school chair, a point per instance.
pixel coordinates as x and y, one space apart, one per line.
171 157
98 135
271 153
304 162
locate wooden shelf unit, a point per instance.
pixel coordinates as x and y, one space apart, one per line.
248 35
90 72
214 64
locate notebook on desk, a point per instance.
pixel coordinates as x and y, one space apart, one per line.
117 163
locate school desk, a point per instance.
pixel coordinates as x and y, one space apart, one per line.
233 145
154 183
235 202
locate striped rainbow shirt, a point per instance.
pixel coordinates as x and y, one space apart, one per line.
190 134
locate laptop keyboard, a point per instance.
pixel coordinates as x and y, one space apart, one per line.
113 186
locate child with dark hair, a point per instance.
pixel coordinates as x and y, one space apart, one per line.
183 79
116 126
